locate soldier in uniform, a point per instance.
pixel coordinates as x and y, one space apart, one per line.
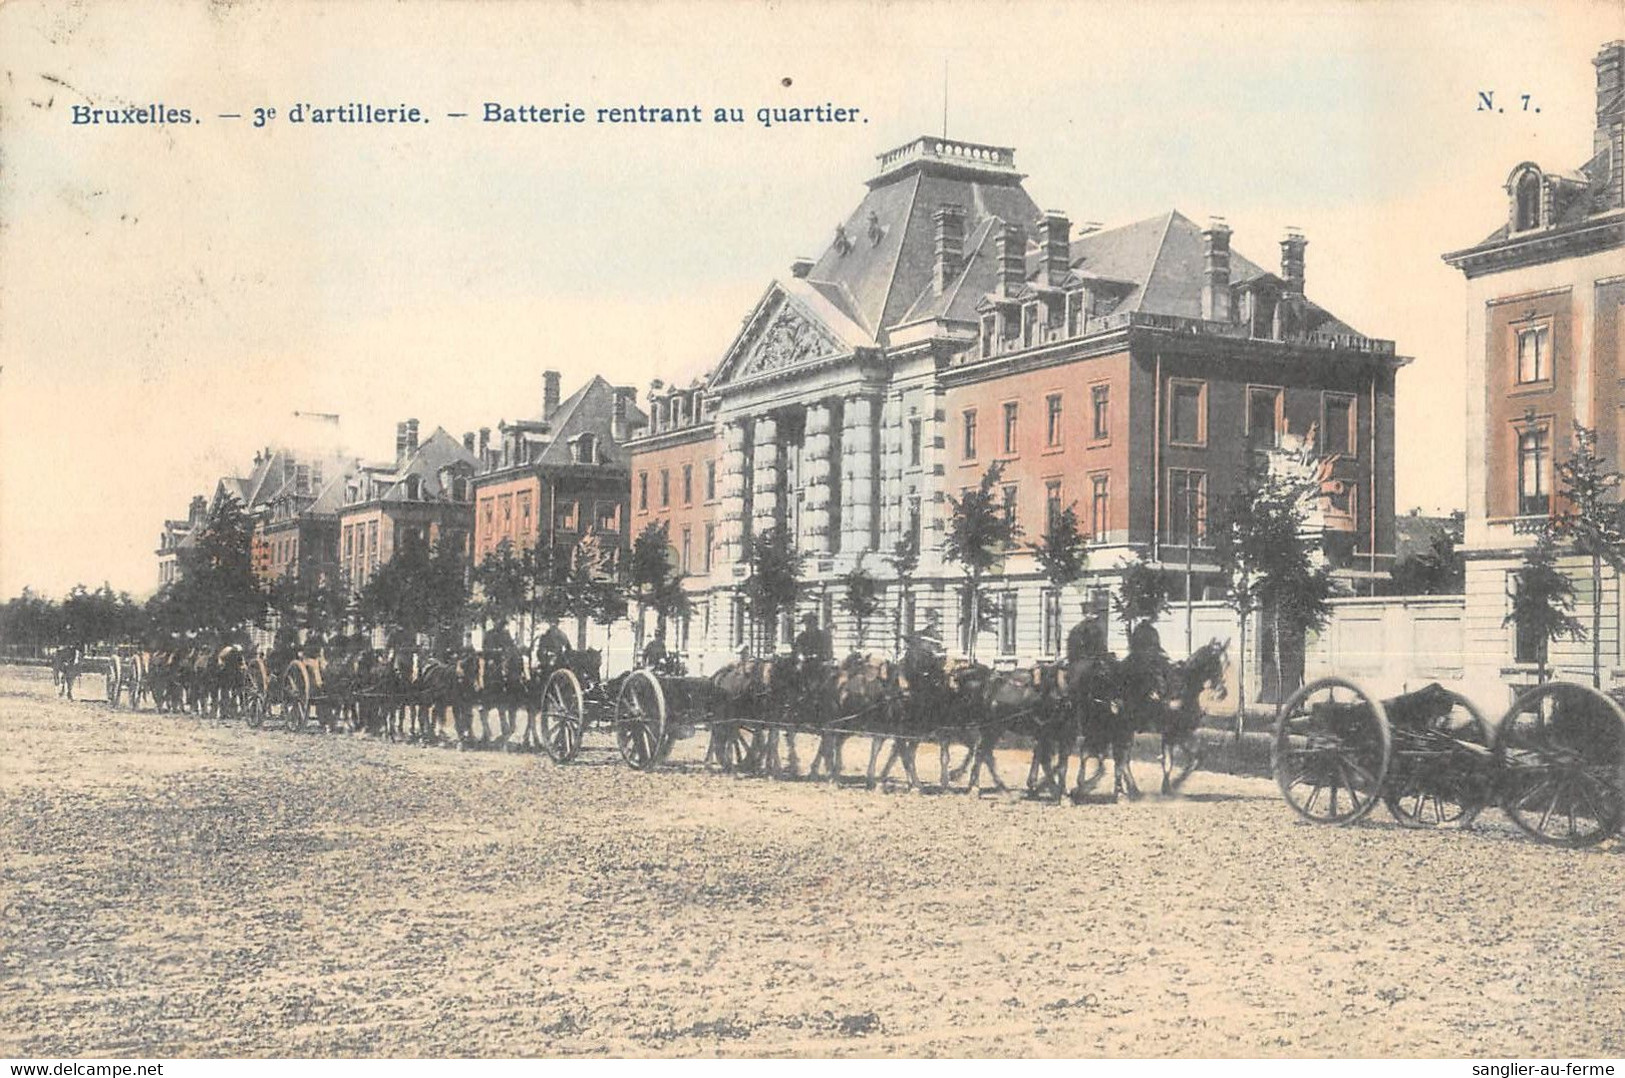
813 646
1087 640
552 648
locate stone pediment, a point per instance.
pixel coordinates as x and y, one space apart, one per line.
781 334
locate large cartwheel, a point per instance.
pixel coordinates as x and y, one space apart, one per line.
1555 763
564 715
641 731
298 695
1562 754
257 692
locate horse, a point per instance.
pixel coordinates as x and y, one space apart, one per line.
65 668
1174 711
446 683
501 683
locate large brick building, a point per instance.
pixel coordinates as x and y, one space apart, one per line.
423 496
1544 350
951 323
549 481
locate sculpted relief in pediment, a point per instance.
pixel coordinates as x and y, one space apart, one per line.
789 338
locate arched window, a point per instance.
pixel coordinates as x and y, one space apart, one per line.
1528 202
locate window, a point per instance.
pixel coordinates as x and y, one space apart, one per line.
348 536
1052 421
1529 643
736 622
1052 504
1011 410
1187 413
1187 505
1534 357
568 515
1029 324
1074 311
688 484
643 490
1007 623
1337 425
1100 505
914 442
970 434
988 323
710 545
1264 417
1528 207
1010 504
609 516
1052 621
1534 458
524 512
1100 412
688 544
710 480
914 519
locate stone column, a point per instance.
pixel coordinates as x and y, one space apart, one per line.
731 493
815 463
892 437
858 440
767 474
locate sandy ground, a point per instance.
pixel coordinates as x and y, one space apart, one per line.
175 886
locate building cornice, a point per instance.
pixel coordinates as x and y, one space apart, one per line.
1535 248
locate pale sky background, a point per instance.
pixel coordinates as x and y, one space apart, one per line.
169 296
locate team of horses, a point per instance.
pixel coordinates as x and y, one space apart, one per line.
1094 706
1091 706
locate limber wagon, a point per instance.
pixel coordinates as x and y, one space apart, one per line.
1554 763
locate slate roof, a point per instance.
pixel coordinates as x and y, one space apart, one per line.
590 409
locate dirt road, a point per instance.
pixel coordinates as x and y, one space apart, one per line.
178 886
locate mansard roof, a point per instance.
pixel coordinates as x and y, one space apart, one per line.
589 410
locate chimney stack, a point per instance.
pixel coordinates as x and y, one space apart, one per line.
198 509
400 442
468 441
1292 261
1011 248
624 395
1057 247
950 222
1216 272
485 447
411 436
1610 133
550 393
801 267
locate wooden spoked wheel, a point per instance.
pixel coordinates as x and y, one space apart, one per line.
732 746
1441 773
295 698
1562 749
136 681
640 720
1331 751
563 716
253 705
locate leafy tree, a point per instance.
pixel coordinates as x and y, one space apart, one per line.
1269 563
981 532
656 584
30 622
419 592
1143 594
1590 521
775 579
904 559
503 584
1063 551
860 597
1438 570
318 604
1543 600
216 592
589 589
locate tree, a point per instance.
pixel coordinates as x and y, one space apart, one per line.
30 622
1590 522
860 597
503 584
316 603
217 591
419 592
775 580
1063 551
904 559
1269 562
589 588
1543 601
655 582
981 531
1142 597
1438 570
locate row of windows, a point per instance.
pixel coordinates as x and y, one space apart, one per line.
686 487
1054 425
567 514
360 540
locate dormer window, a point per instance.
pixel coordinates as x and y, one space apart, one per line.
1029 324
586 449
1074 312
989 328
413 488
1526 213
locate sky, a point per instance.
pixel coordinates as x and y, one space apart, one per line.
171 295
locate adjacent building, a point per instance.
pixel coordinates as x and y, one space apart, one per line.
547 482
423 497
1545 292
951 324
